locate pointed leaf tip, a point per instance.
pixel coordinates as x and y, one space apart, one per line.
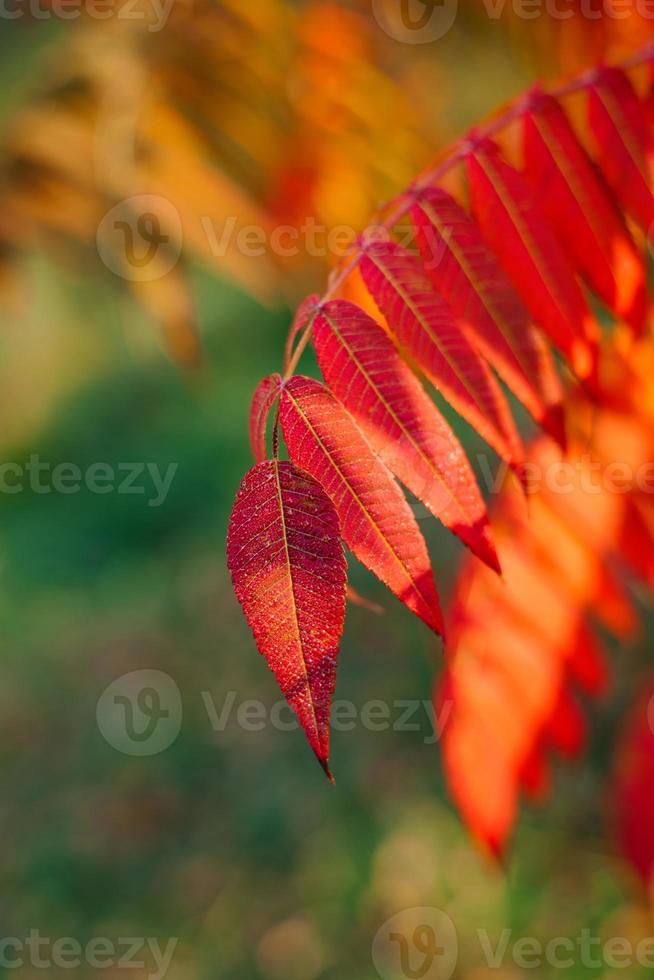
288 569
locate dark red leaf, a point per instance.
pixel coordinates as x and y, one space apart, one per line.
287 565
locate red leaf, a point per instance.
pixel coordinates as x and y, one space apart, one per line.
581 213
363 369
304 311
623 141
288 569
376 520
262 401
566 727
424 324
511 222
587 662
632 791
536 775
464 270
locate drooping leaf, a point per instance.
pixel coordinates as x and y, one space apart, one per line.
364 370
510 220
288 569
300 320
376 520
464 270
623 142
262 401
580 211
425 326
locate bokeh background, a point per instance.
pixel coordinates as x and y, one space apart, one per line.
232 840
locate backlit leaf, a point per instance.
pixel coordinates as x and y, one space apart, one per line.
288 569
376 520
425 326
510 220
463 269
262 401
363 369
623 141
580 211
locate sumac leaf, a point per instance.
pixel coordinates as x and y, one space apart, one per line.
623 142
463 269
288 568
376 520
580 211
511 222
364 370
300 320
425 326
262 401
